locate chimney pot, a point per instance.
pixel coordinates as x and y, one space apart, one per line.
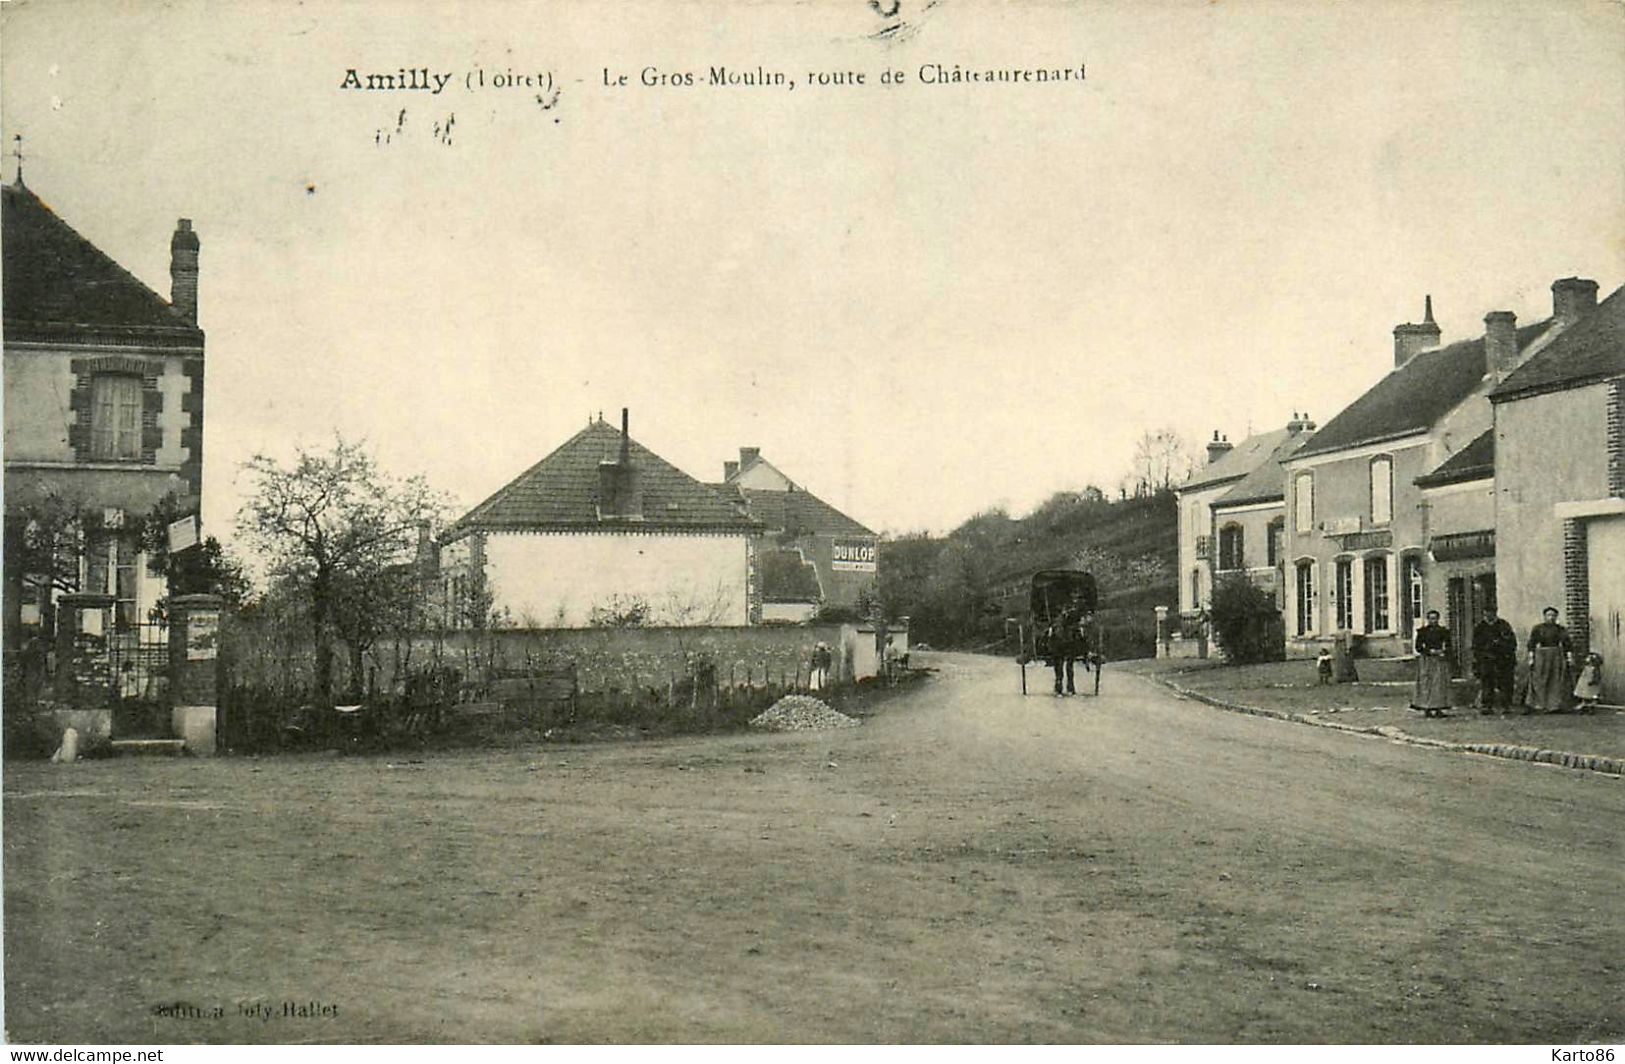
1573 298
1410 339
1217 448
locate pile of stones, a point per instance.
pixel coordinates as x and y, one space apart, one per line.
800 713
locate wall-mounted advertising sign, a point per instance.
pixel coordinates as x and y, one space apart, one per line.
853 556
203 637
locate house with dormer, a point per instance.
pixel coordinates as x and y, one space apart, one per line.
1382 523
602 531
103 419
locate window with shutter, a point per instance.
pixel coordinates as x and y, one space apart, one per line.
1343 593
1306 597
1376 594
1382 490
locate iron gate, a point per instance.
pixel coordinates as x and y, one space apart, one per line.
138 660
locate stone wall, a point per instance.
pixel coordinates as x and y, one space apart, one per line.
604 659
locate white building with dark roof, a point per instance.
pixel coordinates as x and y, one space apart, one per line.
1238 474
1359 530
603 531
1559 450
1249 520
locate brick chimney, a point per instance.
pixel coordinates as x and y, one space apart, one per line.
730 470
748 456
620 490
1299 423
1500 342
1217 447
1573 298
1410 339
183 249
428 552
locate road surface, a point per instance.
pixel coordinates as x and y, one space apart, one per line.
970 865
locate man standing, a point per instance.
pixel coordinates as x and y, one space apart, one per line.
822 658
1549 649
1063 649
1432 695
1495 652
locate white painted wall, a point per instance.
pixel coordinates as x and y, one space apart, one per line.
556 580
1606 557
762 476
37 384
1196 519
1549 449
789 611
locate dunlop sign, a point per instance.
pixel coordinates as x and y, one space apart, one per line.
853 556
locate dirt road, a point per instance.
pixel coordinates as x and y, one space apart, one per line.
969 865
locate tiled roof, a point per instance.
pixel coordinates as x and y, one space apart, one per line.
800 512
1473 462
787 578
560 493
1236 463
1267 483
60 284
1590 350
1412 396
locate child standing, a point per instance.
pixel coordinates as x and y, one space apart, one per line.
1588 688
1323 665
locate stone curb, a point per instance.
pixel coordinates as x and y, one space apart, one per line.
1613 766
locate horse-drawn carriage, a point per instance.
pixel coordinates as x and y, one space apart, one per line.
1060 626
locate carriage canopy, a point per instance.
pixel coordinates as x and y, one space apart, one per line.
1054 590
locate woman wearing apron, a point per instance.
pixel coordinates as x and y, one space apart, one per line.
1549 648
1432 695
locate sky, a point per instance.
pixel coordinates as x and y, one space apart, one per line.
920 301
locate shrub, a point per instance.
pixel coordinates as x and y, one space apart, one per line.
627 611
1245 622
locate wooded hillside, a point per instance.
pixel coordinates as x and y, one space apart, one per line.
958 589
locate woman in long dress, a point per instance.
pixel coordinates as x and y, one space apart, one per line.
1549 649
1432 695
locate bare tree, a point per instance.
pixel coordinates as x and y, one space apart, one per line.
1162 458
45 537
340 533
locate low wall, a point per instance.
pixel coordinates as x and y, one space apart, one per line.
615 659
603 659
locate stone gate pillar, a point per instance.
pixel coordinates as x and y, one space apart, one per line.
194 670
84 673
1162 632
